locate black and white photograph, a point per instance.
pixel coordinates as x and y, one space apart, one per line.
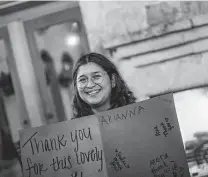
61 61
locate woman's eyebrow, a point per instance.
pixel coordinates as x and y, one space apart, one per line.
83 75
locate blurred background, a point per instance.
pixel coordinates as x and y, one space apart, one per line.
159 47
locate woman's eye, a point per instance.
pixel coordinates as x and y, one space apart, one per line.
97 76
83 80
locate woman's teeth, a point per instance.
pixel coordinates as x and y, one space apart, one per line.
93 92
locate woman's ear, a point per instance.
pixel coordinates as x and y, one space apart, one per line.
113 81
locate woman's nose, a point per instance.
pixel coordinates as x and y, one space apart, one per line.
90 83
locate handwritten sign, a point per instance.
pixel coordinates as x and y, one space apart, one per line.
138 140
66 149
143 139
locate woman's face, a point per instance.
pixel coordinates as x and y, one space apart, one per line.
94 85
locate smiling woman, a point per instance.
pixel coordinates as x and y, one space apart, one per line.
98 86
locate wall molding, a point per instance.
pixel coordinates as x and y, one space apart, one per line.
156 31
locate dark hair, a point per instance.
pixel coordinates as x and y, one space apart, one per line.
120 95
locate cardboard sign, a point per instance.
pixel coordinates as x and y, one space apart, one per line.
66 149
144 140
138 140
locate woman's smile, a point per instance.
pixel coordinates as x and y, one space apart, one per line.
93 92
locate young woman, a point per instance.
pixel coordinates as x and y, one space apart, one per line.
98 86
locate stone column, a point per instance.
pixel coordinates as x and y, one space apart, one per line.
25 83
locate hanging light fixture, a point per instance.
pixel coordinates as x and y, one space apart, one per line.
73 38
